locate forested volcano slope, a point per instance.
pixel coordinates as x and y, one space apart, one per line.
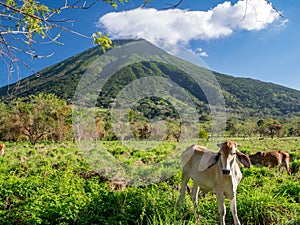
243 94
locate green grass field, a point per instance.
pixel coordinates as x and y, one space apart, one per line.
53 183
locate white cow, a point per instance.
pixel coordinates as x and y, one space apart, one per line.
217 171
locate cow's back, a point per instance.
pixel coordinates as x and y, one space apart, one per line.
272 158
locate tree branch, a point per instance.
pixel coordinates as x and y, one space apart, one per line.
174 6
20 11
279 13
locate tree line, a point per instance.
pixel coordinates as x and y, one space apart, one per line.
46 117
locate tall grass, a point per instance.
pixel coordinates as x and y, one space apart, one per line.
44 185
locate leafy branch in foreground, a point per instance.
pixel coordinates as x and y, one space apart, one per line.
103 40
27 23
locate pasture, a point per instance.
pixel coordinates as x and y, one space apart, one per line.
52 183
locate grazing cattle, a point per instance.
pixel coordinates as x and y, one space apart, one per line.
272 159
2 146
285 162
217 171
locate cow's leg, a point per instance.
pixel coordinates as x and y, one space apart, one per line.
280 168
203 193
221 207
185 179
195 192
287 166
234 211
288 169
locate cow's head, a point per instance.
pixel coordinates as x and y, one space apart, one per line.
227 154
257 157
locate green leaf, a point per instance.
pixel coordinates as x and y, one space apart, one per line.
103 40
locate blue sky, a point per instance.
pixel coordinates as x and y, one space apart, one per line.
232 38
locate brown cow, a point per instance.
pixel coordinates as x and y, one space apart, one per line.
285 162
2 146
272 159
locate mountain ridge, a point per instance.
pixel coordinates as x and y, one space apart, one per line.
245 94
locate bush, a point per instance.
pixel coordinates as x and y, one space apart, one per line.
203 134
295 166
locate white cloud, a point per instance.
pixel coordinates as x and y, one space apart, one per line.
180 26
201 52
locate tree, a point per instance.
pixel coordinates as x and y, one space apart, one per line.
9 127
173 130
62 127
261 127
275 128
231 127
28 23
39 116
269 127
141 129
292 126
203 134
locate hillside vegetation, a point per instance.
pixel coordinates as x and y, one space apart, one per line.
261 97
245 95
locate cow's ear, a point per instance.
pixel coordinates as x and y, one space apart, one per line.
222 144
243 159
214 160
261 153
